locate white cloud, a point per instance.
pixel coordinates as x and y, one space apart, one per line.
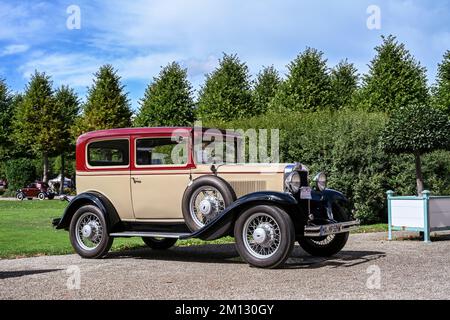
14 49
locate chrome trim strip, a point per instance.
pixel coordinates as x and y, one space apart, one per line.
324 230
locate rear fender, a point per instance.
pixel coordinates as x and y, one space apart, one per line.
86 198
224 223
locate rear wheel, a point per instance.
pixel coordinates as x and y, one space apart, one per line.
265 236
88 232
159 243
41 196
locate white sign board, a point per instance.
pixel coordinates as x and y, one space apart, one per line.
407 213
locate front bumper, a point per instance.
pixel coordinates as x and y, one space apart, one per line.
332 228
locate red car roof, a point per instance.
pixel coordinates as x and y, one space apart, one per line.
134 131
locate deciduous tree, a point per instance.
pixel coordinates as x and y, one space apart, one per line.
307 86
395 79
441 91
168 100
68 105
266 86
226 94
107 105
417 129
344 83
37 124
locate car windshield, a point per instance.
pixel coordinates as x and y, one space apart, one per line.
216 150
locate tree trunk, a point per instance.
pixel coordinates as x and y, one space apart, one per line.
61 187
419 177
45 174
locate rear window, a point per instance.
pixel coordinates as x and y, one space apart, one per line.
109 153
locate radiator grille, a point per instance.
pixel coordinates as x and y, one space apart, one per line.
244 187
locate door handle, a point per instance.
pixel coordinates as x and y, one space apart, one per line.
136 180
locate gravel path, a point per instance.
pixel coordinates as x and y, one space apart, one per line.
408 269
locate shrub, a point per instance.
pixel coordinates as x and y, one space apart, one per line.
19 172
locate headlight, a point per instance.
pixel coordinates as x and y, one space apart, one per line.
293 182
321 181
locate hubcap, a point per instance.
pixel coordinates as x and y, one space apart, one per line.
261 235
205 204
89 231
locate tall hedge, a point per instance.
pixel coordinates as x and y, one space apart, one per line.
347 146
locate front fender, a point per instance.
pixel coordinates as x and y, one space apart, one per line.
330 199
328 195
95 198
224 222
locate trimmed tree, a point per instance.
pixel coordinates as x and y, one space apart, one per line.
37 124
417 129
6 112
107 105
344 83
226 94
441 91
395 79
167 100
307 86
266 86
68 106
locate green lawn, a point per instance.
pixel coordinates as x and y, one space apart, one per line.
26 230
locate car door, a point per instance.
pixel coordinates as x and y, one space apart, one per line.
159 176
32 190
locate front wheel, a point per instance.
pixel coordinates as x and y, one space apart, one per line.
159 243
265 236
88 232
324 246
20 196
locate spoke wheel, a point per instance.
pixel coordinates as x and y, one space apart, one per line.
205 204
261 235
89 231
265 236
204 200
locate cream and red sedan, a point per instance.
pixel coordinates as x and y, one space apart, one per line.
160 184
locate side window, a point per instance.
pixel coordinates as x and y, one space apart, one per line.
109 153
160 151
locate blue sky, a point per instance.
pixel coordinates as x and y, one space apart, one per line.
138 37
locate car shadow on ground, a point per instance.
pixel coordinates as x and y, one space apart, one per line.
226 253
21 273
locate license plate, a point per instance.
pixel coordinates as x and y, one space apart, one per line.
332 228
305 193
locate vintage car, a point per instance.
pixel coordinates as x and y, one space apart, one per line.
38 189
130 185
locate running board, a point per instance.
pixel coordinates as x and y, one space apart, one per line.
150 234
